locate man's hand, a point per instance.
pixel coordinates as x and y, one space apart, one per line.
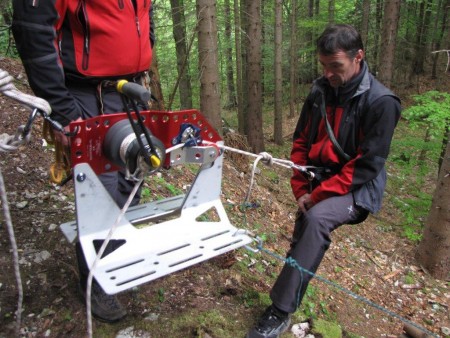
305 202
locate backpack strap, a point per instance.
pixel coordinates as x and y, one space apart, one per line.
328 128
330 133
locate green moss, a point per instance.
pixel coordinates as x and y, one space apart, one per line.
326 329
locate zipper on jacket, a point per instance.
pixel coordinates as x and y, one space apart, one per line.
84 21
136 17
121 5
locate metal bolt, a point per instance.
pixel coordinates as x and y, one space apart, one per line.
81 177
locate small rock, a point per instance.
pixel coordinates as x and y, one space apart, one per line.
21 205
152 317
445 330
20 170
129 332
46 312
300 330
52 227
42 256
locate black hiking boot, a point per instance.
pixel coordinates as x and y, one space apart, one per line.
105 308
271 324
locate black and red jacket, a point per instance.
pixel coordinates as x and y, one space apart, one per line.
80 40
363 120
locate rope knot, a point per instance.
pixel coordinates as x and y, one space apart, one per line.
267 159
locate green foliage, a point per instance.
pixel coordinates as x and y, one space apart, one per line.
432 109
326 329
68 316
412 167
409 278
7 46
415 210
161 297
145 194
310 302
250 297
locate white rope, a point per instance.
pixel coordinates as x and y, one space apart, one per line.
12 239
7 88
12 143
252 177
105 243
267 159
100 254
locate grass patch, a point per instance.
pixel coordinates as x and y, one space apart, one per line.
326 329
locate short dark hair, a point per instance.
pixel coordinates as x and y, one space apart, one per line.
340 37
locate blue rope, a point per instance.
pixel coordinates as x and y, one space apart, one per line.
293 263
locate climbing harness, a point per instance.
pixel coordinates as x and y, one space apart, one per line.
174 236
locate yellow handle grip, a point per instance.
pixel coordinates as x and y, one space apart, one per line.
156 162
120 85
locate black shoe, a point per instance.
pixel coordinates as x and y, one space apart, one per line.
105 308
271 324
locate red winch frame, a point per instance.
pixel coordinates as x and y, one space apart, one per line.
87 144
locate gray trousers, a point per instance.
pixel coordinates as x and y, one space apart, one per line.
311 239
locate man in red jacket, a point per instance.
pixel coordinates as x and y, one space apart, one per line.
345 130
71 51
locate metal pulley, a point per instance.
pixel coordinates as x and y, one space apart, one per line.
122 148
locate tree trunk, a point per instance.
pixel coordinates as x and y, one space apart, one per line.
155 85
231 93
365 21
278 115
244 129
420 49
423 153
433 252
208 64
254 115
445 140
311 56
293 61
388 40
263 66
376 42
331 11
315 35
179 34
237 42
445 5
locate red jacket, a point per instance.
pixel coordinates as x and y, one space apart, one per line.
80 40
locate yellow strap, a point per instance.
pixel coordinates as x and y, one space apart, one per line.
48 133
60 168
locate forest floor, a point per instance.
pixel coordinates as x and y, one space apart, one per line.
221 297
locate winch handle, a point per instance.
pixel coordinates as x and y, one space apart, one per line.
133 91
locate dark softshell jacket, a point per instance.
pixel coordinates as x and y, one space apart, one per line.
363 125
80 40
